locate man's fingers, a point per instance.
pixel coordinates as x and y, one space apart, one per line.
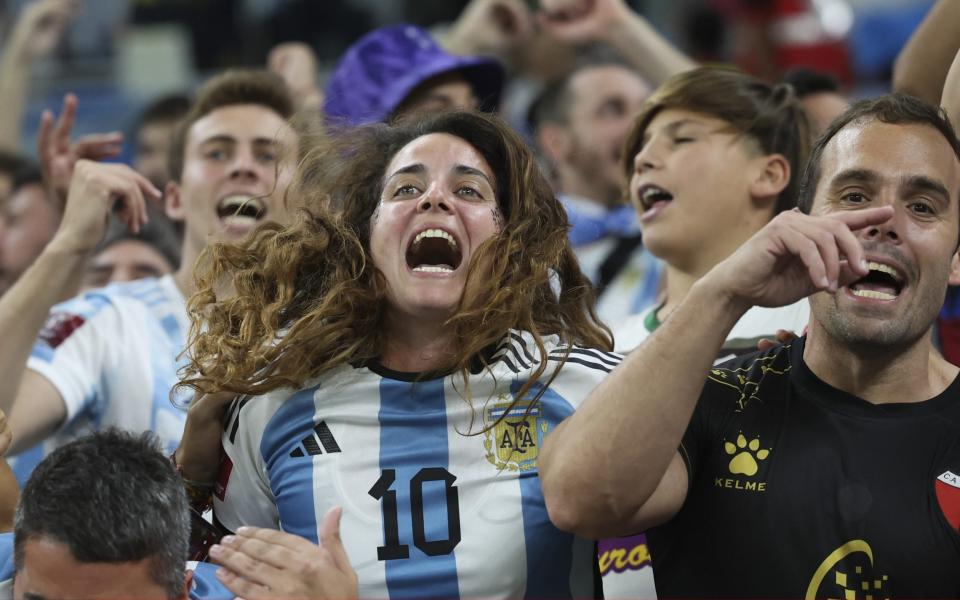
765 344
274 554
784 336
43 136
239 586
250 568
858 219
143 184
826 242
330 538
799 245
848 275
98 146
852 251
131 187
68 116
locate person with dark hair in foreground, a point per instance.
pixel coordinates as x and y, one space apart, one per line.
103 517
106 517
820 468
405 355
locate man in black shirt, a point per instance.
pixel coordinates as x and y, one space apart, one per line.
826 468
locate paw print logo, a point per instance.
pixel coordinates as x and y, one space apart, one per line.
745 455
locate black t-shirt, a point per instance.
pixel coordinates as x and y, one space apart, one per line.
798 489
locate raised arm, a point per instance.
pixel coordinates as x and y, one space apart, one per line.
613 22
922 65
613 467
9 490
38 30
296 63
951 92
490 27
34 405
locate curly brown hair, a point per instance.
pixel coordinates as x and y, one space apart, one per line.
307 298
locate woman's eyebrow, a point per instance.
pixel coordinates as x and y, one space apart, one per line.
465 170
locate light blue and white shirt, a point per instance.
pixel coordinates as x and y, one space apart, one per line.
112 354
205 585
438 500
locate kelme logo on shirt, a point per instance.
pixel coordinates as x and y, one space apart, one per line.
513 443
849 572
745 459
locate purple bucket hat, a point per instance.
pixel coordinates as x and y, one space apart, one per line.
380 70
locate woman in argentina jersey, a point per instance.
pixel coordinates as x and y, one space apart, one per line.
403 352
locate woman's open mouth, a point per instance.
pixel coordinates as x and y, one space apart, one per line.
433 251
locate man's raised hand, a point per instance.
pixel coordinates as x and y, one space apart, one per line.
58 155
796 255
95 190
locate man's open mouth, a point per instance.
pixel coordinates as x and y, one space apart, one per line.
883 282
241 210
434 251
649 195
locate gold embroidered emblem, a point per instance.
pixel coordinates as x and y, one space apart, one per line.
513 443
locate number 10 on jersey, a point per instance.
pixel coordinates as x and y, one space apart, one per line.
392 549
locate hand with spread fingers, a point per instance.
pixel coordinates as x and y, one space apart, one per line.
58 156
796 255
96 189
261 564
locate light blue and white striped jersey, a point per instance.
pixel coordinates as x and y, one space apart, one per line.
437 501
204 586
112 355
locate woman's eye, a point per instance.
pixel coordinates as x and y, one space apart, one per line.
682 140
469 192
406 190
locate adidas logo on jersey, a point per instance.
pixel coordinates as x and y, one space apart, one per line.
321 436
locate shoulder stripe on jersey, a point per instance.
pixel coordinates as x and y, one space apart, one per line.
236 423
516 355
231 412
523 346
611 358
506 361
516 345
580 361
604 357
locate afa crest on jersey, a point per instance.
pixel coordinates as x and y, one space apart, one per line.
513 443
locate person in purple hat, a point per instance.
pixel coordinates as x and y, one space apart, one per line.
401 69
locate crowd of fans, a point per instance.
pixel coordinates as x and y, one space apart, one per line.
638 327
